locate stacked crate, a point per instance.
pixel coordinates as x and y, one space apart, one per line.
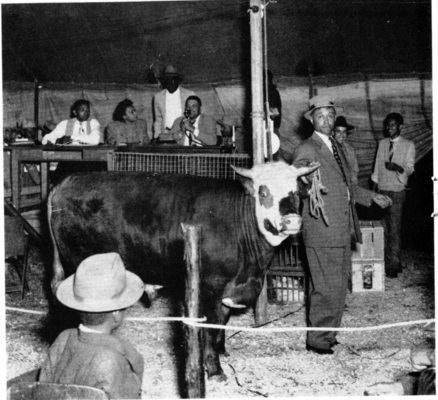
368 260
286 279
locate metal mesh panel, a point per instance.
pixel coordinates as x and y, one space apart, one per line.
207 165
286 279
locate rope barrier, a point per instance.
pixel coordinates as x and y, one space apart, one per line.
325 329
198 322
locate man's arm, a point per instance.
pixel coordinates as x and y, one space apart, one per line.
208 131
56 134
158 121
375 174
175 132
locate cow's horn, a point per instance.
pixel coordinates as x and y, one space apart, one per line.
243 171
306 170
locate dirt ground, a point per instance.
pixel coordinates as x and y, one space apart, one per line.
260 364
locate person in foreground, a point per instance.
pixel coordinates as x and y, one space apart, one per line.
327 238
127 128
79 129
421 381
101 290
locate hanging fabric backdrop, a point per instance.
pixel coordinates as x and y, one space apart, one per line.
365 102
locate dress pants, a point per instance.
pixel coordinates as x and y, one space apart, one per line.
329 269
392 222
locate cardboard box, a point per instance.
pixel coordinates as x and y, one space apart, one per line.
373 243
368 275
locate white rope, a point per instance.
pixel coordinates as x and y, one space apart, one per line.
325 329
197 322
316 202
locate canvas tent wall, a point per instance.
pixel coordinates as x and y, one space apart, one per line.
366 101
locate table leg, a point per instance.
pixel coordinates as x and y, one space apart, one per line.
16 178
45 166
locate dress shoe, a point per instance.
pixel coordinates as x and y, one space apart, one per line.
319 350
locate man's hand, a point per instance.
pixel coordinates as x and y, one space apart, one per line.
390 166
186 125
382 200
385 389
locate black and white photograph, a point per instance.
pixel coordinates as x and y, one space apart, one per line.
218 199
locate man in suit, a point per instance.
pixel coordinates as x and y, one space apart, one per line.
194 128
327 238
169 103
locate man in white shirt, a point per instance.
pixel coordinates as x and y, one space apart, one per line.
169 104
194 128
394 164
79 129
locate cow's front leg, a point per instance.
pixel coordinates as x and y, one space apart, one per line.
211 355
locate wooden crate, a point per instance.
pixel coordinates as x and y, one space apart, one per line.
286 285
372 241
368 275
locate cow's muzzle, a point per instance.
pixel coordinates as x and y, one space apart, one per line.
290 224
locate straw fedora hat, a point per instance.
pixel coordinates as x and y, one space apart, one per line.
321 101
101 283
342 122
226 120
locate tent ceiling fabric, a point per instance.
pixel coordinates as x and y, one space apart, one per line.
209 41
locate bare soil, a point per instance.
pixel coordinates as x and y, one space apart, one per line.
260 364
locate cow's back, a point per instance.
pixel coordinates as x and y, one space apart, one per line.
139 216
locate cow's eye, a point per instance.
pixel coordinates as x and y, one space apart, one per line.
263 194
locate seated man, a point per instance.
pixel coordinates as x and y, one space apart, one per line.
194 128
79 129
91 355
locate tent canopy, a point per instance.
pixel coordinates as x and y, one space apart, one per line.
209 41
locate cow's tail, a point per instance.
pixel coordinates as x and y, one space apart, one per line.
58 271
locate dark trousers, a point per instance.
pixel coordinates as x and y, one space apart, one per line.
392 222
329 270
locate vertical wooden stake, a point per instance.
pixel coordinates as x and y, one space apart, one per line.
194 373
261 307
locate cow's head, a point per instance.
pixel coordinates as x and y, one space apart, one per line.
274 187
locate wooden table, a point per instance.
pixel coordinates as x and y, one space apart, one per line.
45 155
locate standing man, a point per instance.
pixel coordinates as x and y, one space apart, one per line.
342 128
394 164
194 128
327 240
169 104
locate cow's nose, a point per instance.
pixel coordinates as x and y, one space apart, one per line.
290 222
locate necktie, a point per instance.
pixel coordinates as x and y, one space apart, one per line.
337 158
391 150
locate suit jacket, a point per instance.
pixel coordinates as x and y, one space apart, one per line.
98 360
207 126
159 107
343 220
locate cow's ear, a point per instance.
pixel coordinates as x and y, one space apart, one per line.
247 183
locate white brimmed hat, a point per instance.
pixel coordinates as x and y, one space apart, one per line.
101 283
321 101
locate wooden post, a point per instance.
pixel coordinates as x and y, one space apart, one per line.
194 373
255 12
257 80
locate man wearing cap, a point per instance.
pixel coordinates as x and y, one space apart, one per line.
342 128
394 164
101 291
327 238
169 104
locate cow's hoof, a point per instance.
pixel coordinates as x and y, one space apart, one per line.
231 304
218 378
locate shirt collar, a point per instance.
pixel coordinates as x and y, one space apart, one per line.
86 329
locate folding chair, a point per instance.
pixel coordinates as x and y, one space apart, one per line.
52 391
16 252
